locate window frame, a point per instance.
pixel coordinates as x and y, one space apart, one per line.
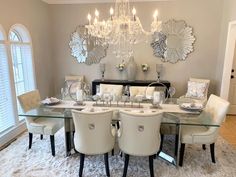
23 34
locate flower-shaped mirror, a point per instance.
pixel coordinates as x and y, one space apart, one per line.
174 42
85 48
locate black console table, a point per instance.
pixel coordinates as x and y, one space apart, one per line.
126 82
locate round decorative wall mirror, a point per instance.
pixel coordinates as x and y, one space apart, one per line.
86 48
174 42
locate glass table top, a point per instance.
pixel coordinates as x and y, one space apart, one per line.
181 118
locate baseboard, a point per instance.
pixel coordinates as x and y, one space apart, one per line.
11 134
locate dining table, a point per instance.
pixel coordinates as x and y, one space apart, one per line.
173 115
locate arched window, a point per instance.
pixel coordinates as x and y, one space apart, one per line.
7 119
22 60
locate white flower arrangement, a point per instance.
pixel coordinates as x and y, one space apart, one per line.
121 66
145 67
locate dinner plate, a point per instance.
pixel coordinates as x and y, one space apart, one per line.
50 101
191 106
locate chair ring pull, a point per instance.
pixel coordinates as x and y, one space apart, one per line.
140 128
91 126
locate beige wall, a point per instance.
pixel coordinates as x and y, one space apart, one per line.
229 14
203 15
33 14
53 24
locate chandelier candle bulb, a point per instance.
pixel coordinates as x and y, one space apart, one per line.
96 13
89 18
134 13
155 15
111 11
95 21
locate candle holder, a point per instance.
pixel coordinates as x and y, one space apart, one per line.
74 89
102 69
159 68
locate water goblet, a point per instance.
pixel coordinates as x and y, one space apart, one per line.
139 99
96 98
124 98
106 97
171 92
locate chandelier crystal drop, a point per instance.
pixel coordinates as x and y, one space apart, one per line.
122 30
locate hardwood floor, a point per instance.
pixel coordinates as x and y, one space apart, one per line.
228 130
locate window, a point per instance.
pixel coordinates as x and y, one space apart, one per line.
7 119
22 63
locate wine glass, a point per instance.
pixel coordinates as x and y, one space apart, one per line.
171 92
139 99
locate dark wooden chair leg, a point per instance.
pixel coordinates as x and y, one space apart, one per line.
176 143
52 139
162 140
151 165
41 137
30 140
81 167
212 147
107 164
112 152
161 145
181 158
126 164
204 147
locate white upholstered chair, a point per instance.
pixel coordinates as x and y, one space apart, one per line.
42 126
141 90
215 107
110 88
70 79
93 134
139 135
199 82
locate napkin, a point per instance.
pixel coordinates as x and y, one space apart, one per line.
50 100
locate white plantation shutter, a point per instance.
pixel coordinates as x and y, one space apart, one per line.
23 70
7 119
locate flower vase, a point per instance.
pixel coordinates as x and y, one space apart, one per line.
131 69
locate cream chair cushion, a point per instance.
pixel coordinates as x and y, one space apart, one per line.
139 90
139 133
112 89
93 131
216 108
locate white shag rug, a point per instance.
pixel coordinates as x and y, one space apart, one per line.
17 161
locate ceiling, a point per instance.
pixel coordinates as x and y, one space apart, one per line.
91 1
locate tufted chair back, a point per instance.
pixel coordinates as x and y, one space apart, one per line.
29 100
139 134
112 89
139 90
93 131
217 108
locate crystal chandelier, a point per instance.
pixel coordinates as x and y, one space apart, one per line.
122 30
